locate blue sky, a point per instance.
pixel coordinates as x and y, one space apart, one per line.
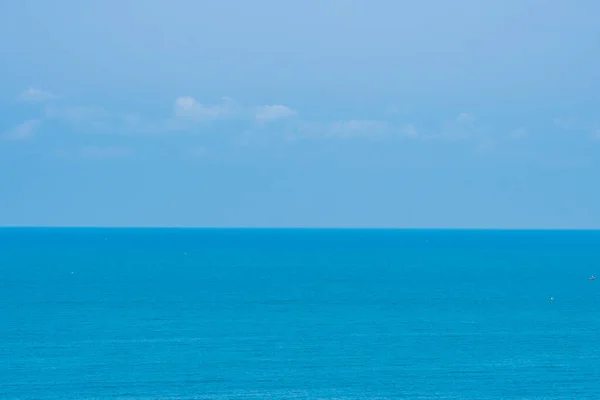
340 113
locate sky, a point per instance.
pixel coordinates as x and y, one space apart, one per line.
300 113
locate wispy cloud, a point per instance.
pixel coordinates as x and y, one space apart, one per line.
188 115
273 112
23 131
188 107
33 95
189 112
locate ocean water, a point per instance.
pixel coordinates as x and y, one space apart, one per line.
298 314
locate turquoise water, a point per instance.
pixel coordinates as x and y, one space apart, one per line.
298 314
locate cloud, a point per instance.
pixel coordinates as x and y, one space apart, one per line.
104 152
188 114
32 95
188 107
23 131
273 112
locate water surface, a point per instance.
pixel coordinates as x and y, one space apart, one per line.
298 314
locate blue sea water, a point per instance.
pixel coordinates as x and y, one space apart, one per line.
298 314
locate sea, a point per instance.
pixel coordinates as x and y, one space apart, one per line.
298 314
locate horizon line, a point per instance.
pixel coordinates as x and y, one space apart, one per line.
285 228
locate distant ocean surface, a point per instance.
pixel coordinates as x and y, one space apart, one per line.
299 314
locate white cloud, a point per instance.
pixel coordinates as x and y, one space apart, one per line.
23 131
273 112
187 113
32 95
188 107
465 118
